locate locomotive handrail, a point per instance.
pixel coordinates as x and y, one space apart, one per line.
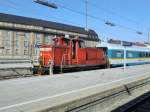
62 60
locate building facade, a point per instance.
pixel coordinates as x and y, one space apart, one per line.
20 36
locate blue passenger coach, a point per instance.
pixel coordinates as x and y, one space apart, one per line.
135 55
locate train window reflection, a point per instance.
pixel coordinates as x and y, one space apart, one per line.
81 44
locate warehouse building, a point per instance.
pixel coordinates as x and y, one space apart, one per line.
20 36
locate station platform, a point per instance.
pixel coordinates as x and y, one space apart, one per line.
47 93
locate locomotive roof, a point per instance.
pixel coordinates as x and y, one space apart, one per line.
48 24
119 47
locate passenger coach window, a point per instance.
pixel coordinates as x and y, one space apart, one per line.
130 55
119 54
116 54
147 54
142 54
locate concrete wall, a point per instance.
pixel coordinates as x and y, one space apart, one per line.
15 67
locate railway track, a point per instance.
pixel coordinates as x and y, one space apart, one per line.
14 77
18 75
140 104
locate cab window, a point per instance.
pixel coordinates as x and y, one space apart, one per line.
81 44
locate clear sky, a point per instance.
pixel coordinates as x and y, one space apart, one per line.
129 16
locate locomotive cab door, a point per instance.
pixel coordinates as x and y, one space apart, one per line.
78 52
73 49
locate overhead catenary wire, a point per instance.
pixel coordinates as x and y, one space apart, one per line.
91 3
91 16
96 18
13 5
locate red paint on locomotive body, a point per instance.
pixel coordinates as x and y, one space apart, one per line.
71 53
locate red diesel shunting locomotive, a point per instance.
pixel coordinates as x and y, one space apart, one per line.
70 53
